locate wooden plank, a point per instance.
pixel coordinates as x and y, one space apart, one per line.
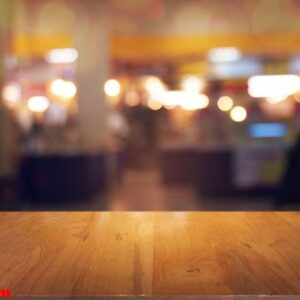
76 253
152 254
227 253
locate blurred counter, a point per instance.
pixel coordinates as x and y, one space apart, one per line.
218 169
68 176
105 254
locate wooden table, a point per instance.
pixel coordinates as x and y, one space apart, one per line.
155 253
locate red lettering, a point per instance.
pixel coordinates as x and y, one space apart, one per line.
5 293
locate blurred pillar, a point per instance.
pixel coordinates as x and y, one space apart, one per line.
8 130
92 43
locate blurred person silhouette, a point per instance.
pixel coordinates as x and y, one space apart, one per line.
9 160
289 186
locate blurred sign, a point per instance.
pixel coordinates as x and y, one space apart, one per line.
242 68
267 130
258 166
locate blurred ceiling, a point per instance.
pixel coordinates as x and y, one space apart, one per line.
151 29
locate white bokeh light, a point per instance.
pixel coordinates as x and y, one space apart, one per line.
112 88
38 104
12 94
63 89
238 114
186 100
192 84
154 86
224 54
273 86
61 56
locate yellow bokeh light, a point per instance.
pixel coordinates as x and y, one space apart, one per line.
154 105
225 103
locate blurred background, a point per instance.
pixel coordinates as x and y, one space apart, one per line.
149 104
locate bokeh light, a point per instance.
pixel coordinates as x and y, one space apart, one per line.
194 102
192 84
226 54
12 94
186 100
154 105
112 88
61 56
154 86
225 103
273 86
65 90
38 104
238 114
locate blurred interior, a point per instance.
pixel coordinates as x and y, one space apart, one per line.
149 104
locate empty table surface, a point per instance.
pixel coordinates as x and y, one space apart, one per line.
150 253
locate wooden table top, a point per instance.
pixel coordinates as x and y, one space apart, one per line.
150 253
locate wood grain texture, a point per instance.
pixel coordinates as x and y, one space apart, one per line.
162 253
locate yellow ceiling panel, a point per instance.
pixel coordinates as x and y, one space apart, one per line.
157 47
